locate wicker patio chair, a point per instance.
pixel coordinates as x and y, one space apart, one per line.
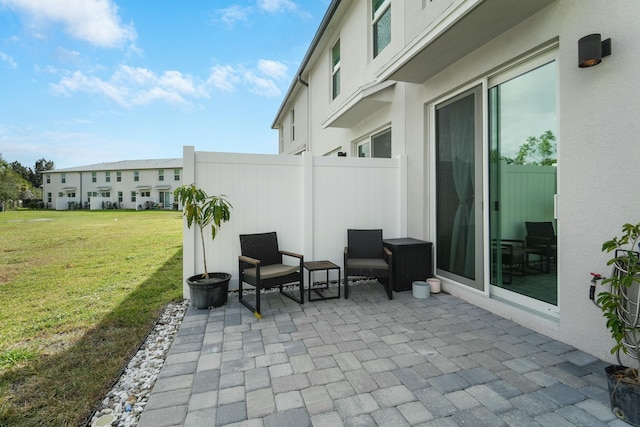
261 266
366 256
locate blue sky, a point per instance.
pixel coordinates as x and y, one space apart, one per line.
91 81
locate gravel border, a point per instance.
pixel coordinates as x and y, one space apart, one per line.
125 402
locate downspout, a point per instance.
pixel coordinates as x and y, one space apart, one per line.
306 84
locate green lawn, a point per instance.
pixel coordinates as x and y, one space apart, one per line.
79 291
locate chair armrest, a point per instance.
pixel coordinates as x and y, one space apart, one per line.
387 253
292 254
511 242
249 260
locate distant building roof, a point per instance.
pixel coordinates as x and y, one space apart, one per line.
125 165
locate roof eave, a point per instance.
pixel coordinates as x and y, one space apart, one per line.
324 24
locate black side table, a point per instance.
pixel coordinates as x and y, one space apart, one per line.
412 260
322 292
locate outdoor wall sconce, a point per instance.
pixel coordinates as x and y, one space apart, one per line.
591 50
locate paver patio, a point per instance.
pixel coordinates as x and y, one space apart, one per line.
368 361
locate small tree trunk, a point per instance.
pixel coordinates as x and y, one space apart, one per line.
204 255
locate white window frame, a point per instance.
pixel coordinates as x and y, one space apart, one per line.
293 124
118 176
335 71
376 15
369 141
136 176
160 174
107 176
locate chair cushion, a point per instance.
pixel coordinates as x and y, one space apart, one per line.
273 270
366 264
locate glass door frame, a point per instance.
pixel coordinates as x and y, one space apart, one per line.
529 63
478 86
543 54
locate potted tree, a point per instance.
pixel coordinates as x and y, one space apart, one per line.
621 308
206 289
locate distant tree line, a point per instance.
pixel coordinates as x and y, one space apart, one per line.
21 183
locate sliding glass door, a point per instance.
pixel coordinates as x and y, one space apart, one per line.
458 128
495 179
522 183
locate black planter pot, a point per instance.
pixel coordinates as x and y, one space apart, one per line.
209 292
624 397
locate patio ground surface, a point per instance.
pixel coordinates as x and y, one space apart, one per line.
368 361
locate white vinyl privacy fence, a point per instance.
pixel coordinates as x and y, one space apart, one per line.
309 201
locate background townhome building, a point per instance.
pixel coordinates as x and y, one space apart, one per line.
511 114
129 184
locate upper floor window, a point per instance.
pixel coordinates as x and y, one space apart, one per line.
335 70
118 176
176 174
379 145
48 178
63 178
381 22
160 174
94 176
136 175
293 125
107 177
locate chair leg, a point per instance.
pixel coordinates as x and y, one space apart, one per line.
346 286
257 311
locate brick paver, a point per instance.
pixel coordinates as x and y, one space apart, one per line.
370 361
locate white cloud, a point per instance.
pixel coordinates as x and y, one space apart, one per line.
94 21
276 5
131 86
78 82
262 80
8 59
135 86
274 69
261 86
223 77
233 14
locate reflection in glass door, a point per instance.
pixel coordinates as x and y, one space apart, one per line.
459 189
522 184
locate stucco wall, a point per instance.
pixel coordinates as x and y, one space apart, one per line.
598 150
